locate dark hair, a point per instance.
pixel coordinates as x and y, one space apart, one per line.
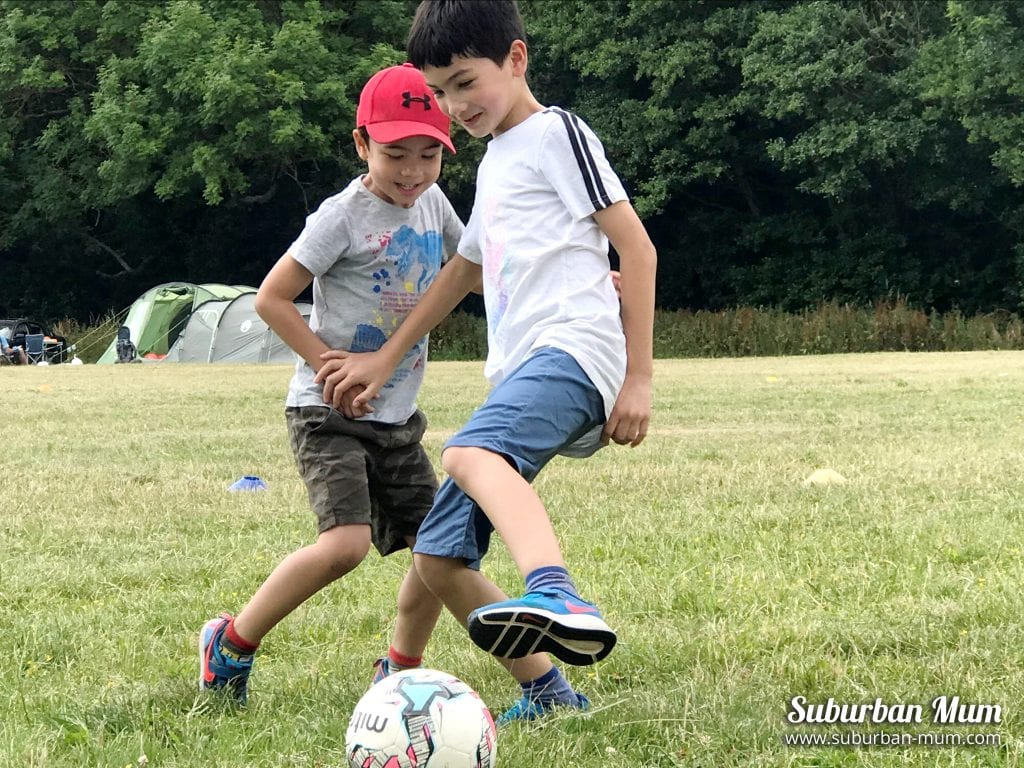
364 133
443 29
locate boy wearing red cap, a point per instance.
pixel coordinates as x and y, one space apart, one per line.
370 251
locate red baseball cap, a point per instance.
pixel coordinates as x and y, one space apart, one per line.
397 103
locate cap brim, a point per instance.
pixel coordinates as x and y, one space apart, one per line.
396 130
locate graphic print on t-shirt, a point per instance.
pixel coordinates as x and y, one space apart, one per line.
368 338
411 261
412 250
495 264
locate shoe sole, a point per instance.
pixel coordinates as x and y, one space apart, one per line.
512 633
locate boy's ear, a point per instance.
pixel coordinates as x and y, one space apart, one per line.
517 55
361 149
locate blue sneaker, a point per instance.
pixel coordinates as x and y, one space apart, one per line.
219 668
381 669
543 622
527 709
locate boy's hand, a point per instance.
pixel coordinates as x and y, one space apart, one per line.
348 408
631 415
617 282
343 370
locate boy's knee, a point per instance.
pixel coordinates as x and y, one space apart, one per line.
461 462
345 547
455 460
436 572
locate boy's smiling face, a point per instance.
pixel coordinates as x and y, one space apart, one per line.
400 171
481 96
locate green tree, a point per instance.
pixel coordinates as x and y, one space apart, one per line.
661 83
788 152
982 75
143 142
782 152
976 74
233 99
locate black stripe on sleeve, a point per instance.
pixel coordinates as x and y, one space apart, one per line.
593 165
599 199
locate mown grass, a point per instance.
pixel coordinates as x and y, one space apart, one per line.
733 585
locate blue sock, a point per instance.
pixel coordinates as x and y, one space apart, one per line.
550 688
550 577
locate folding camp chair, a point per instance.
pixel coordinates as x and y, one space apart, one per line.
35 348
125 348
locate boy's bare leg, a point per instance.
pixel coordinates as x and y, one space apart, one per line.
227 644
418 611
462 590
301 575
510 503
551 617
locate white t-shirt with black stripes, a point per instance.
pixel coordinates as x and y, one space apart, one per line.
545 260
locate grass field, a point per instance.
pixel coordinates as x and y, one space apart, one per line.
734 587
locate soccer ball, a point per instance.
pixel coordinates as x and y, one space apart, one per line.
421 718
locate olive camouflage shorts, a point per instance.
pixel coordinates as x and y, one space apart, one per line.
364 472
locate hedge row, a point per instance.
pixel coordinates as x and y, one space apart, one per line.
826 329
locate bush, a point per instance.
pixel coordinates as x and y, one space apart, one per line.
88 340
460 336
829 328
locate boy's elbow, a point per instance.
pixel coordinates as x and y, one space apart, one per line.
262 304
651 258
644 257
649 249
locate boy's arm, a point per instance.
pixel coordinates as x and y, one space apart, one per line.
275 303
638 260
341 370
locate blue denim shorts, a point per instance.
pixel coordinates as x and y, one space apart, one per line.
545 405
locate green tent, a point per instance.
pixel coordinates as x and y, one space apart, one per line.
158 316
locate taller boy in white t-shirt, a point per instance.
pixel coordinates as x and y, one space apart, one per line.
571 366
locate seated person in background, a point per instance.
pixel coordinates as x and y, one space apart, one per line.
8 352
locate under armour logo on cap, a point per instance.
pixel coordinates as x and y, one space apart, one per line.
408 99
387 112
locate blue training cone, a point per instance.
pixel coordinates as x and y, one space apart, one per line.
248 483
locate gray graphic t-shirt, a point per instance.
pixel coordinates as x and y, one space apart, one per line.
371 262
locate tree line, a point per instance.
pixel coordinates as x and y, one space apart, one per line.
781 152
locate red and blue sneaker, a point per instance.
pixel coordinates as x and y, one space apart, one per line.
219 668
552 622
381 669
